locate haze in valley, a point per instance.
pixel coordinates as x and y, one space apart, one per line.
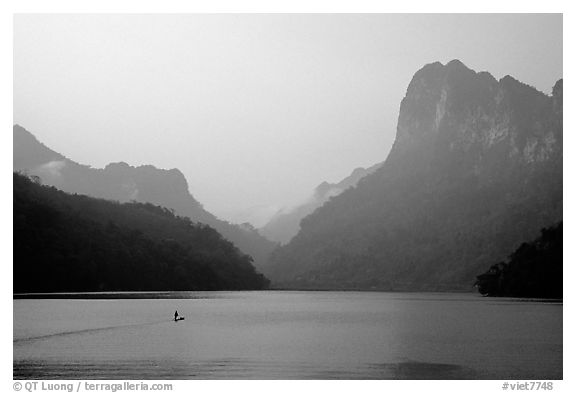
255 110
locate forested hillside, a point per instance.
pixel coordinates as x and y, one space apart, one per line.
475 170
122 182
69 243
533 270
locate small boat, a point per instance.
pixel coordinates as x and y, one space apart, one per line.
178 319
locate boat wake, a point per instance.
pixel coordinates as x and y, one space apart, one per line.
24 340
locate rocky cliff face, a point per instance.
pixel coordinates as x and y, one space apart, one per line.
284 225
476 169
124 183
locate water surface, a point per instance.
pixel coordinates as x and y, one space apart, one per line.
287 335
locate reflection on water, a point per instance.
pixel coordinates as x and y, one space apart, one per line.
287 335
237 369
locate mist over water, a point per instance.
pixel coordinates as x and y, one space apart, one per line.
288 335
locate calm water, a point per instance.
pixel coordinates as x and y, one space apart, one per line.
288 335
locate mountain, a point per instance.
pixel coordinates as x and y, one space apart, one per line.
122 182
475 170
70 243
284 225
534 270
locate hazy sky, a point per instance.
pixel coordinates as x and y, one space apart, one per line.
255 110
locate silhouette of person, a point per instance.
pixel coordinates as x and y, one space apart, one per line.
176 316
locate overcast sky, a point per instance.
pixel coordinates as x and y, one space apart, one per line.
255 110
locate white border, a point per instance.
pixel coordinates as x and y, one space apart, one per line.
335 6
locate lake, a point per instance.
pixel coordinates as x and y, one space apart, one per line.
286 335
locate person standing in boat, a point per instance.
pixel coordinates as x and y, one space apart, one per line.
176 315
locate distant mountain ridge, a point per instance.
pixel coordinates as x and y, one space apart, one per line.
475 170
284 225
122 182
